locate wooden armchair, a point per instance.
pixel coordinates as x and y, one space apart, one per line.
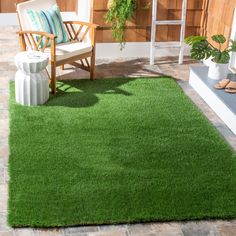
79 51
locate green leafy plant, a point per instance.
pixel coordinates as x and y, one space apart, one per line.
201 48
118 13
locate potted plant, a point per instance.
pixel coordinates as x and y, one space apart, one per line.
202 49
119 12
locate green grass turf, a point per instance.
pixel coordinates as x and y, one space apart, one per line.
117 151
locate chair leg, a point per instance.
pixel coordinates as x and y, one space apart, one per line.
92 66
62 67
53 78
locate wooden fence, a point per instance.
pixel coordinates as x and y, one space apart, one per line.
139 28
204 16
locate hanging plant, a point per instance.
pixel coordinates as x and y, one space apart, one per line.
119 12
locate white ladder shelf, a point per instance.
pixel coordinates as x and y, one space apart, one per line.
156 22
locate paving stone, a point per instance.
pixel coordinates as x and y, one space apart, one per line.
152 234
167 229
3 204
4 84
108 233
3 139
4 114
4 98
48 232
3 197
140 229
227 230
3 162
75 234
7 233
121 228
3 189
5 229
3 219
4 152
2 175
4 127
118 230
199 229
82 229
3 106
24 232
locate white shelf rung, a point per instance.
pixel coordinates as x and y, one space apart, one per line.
168 46
169 22
155 22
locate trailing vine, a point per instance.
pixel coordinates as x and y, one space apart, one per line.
119 12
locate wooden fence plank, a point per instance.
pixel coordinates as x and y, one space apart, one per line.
219 17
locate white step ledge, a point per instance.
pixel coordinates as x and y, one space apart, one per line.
222 103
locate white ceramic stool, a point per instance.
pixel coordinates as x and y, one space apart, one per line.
31 80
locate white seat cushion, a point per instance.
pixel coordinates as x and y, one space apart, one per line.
71 49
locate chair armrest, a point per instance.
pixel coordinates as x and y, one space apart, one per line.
27 38
45 34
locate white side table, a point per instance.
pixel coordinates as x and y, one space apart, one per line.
31 80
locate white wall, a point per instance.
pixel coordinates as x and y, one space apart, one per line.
136 49
84 10
8 19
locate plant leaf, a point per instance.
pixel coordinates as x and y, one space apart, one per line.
225 57
201 50
219 38
220 57
232 47
194 39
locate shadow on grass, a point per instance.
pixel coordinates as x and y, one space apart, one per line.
83 93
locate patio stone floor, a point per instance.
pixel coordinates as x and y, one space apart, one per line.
105 69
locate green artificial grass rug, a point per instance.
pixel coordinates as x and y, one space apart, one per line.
117 151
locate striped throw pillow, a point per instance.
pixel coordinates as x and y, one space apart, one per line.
49 21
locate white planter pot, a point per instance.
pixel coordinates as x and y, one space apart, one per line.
208 61
218 71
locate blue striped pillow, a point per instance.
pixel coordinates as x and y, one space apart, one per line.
49 21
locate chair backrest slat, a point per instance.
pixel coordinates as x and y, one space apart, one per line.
45 44
78 32
34 43
28 42
85 33
73 30
39 41
68 31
